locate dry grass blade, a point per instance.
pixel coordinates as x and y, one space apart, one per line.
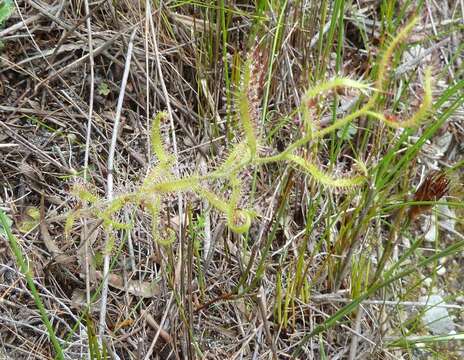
111 168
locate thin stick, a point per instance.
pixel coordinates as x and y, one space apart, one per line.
203 171
261 297
114 138
169 110
355 339
154 325
87 138
160 328
147 77
92 88
21 24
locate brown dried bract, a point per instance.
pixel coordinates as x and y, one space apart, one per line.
258 66
433 188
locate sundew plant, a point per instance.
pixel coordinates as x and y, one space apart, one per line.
246 154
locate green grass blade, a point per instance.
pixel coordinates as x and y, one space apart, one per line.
347 309
25 269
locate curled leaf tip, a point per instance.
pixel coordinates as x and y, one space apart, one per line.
167 238
239 221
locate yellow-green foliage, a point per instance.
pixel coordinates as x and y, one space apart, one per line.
154 208
318 90
214 200
385 60
239 157
156 141
419 115
239 221
82 193
334 84
236 185
188 183
32 218
70 220
168 237
244 155
322 177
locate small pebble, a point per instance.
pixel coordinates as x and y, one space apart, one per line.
441 271
427 282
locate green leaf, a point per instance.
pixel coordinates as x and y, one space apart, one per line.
346 134
103 89
9 222
6 9
26 269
